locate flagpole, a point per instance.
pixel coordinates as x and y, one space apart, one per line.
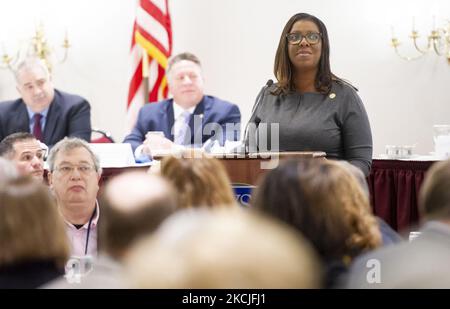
145 74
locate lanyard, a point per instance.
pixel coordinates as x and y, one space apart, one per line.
89 231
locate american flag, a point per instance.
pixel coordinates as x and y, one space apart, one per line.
151 46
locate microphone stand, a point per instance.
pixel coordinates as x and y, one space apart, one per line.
254 109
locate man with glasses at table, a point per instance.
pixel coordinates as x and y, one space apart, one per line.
74 174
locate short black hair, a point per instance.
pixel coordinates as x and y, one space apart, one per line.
7 144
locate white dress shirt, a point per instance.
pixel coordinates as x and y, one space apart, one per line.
178 121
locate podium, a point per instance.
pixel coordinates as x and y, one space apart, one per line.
246 169
243 169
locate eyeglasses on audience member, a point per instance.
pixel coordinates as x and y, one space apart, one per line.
84 169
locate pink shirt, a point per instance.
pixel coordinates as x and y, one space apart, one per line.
78 237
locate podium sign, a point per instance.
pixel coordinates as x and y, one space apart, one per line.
243 193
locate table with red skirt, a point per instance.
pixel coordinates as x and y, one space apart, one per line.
394 189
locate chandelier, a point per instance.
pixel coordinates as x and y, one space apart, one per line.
438 40
38 46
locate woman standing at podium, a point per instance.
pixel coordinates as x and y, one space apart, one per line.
314 109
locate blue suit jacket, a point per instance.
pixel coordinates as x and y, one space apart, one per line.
211 110
68 115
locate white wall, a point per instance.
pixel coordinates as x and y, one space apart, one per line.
236 41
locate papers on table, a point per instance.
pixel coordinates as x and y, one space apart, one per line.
115 155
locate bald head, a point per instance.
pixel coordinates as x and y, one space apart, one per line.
223 249
133 205
132 191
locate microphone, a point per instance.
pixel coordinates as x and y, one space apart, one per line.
254 109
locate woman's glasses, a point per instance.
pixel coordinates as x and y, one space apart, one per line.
295 38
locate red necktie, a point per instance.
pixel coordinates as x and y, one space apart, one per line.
37 130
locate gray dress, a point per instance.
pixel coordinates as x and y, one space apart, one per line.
336 124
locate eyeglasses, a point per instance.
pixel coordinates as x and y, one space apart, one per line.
295 38
68 169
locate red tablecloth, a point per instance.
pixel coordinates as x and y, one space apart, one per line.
394 188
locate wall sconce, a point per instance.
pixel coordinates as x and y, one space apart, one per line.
438 40
39 47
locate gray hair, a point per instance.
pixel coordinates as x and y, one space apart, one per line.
68 144
31 63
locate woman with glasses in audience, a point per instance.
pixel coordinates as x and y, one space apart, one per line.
314 109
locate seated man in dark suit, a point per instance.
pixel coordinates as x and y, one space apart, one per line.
48 114
190 118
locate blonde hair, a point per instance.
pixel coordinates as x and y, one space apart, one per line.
348 193
199 179
31 228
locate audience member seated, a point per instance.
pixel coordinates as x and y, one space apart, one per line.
388 234
47 113
74 174
326 204
423 262
128 213
26 152
199 180
34 246
190 118
222 249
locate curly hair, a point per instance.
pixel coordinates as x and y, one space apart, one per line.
325 202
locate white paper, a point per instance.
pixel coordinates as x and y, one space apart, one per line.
115 155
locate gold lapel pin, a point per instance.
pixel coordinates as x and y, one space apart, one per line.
332 95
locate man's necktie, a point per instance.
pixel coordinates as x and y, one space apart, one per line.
37 129
180 135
